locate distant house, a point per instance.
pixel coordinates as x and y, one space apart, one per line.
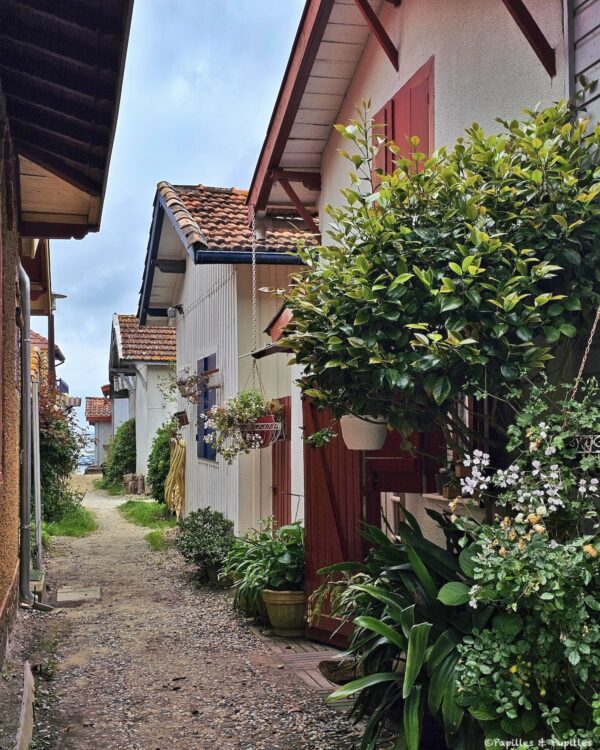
198 276
60 86
98 414
139 365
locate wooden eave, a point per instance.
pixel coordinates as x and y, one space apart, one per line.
329 44
61 69
38 270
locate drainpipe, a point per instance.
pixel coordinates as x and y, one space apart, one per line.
28 599
25 547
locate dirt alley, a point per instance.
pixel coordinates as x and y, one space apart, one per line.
158 664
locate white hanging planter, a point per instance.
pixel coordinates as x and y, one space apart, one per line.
362 435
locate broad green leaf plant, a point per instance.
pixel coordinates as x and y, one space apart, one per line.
461 271
405 640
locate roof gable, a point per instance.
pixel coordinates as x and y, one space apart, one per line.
98 409
139 344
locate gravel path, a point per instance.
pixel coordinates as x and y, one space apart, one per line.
157 664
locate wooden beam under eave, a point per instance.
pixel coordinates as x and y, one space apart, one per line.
310 180
379 32
534 35
300 207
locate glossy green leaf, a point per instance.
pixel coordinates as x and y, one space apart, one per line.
356 686
415 655
453 594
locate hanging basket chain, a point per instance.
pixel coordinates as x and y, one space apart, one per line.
254 301
585 356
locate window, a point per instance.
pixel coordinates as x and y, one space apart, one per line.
207 397
408 113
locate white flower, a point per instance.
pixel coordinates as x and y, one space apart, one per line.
519 518
550 451
536 468
541 510
553 544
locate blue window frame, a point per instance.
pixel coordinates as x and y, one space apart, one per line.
207 397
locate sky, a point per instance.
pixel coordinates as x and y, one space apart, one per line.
200 84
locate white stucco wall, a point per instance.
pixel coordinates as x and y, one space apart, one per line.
120 412
484 68
151 410
102 435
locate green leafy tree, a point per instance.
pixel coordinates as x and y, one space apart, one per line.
159 461
454 274
121 454
61 443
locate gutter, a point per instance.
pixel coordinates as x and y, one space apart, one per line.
244 257
25 506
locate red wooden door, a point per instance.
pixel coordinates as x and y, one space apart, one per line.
281 452
332 512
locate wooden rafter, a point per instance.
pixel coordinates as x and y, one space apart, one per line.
310 180
300 207
532 32
380 33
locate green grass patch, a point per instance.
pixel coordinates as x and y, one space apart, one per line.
77 522
112 489
149 514
157 540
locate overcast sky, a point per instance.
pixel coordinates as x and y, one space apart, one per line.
200 83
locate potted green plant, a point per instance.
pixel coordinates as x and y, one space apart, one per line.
284 590
247 421
268 566
205 538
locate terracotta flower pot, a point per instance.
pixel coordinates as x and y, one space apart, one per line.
286 612
360 435
262 432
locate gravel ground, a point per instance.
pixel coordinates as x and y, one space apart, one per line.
157 664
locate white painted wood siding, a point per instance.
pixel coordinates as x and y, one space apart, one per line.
585 31
208 326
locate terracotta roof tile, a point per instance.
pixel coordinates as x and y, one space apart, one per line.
147 344
217 218
97 409
38 340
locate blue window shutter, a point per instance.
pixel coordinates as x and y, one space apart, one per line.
206 398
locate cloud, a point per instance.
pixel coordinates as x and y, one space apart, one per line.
200 84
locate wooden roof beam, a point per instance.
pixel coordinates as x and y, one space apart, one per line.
52 122
84 155
56 166
300 207
532 32
38 95
310 180
379 32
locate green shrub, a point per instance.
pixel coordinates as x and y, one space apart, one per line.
205 538
61 442
159 461
473 271
121 454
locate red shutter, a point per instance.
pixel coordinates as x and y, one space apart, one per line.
413 111
382 122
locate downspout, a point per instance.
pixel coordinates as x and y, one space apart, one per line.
27 598
25 518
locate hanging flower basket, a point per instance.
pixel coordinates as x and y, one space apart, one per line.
245 422
363 433
262 432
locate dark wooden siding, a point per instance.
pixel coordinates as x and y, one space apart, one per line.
282 469
585 52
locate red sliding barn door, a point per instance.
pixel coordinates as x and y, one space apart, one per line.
332 512
282 469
